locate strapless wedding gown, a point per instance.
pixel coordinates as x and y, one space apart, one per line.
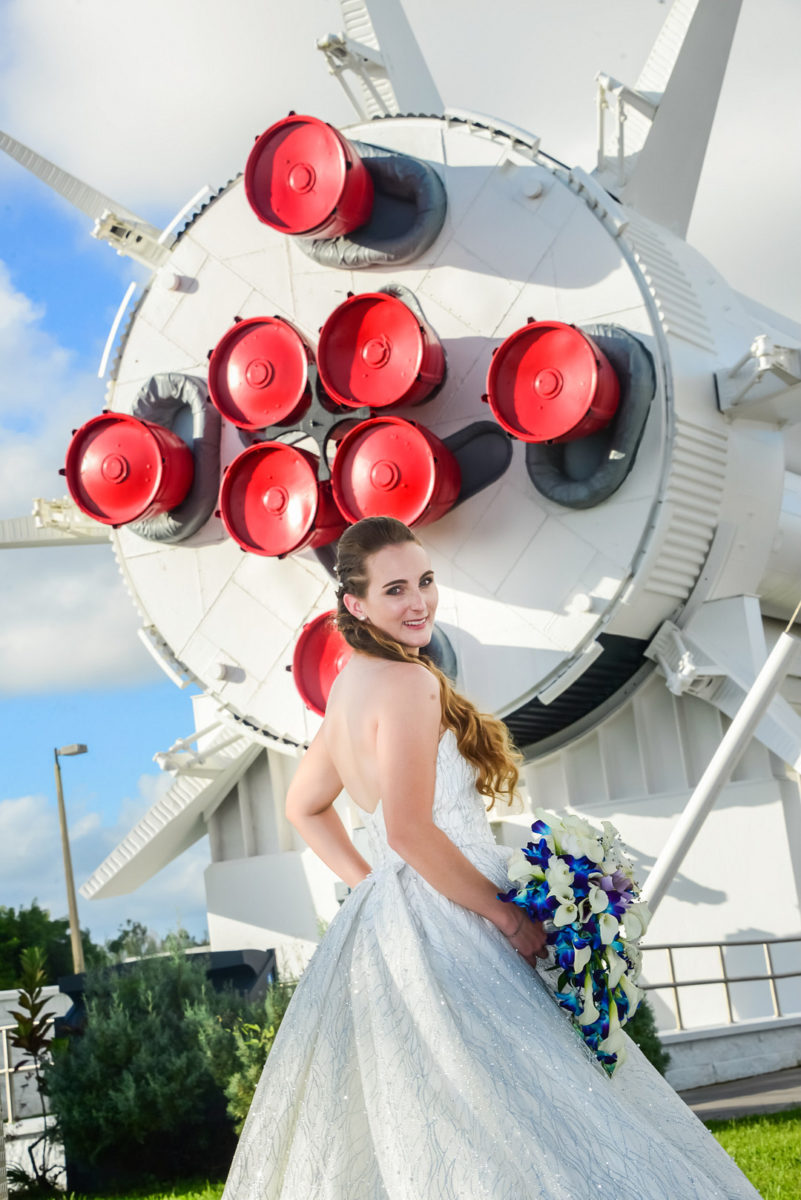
422 1059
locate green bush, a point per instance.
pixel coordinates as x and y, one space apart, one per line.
135 1094
642 1030
253 1041
237 1049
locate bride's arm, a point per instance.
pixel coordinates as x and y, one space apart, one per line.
407 741
310 808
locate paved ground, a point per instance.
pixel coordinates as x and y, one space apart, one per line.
744 1097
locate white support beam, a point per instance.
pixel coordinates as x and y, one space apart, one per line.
763 385
731 749
717 656
178 820
113 222
53 523
379 49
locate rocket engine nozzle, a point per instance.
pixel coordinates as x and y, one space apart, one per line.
549 382
303 177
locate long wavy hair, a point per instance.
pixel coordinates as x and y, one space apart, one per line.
482 739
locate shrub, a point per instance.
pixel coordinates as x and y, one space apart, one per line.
642 1030
135 1094
237 1049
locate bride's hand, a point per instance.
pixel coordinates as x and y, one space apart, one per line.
528 938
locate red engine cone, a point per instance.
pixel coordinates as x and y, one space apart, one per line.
121 469
320 654
304 177
271 501
395 468
549 382
374 351
259 373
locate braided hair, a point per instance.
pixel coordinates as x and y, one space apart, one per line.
482 739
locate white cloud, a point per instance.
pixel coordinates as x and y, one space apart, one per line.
43 396
31 865
157 99
65 618
66 622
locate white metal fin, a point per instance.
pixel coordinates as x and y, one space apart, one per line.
70 528
380 50
129 234
667 118
80 195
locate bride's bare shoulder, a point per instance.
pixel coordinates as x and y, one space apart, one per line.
384 683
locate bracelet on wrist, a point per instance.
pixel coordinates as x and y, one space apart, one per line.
515 932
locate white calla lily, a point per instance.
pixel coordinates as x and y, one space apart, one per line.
558 873
598 899
615 1042
519 869
565 914
636 919
617 967
577 824
633 994
607 927
581 957
582 845
589 1012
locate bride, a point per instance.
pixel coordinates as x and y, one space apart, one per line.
421 1057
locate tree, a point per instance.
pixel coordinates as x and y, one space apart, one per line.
135 940
22 929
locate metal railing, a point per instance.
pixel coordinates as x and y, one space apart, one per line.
724 979
9 1072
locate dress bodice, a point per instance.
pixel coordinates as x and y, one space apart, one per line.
458 809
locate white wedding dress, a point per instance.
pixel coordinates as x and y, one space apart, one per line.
422 1059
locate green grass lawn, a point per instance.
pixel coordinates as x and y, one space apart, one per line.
766 1149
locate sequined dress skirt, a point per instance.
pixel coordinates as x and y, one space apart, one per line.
421 1059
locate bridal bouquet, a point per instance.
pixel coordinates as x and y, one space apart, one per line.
578 881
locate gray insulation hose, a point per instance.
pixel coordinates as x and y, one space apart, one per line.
160 401
583 473
375 244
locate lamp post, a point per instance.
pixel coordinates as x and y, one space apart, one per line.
75 929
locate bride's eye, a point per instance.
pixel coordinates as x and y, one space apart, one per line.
426 581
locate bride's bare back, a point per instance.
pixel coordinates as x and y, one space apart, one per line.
350 729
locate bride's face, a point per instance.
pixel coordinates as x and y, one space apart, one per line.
401 597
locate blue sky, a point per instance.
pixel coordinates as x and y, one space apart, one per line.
148 111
